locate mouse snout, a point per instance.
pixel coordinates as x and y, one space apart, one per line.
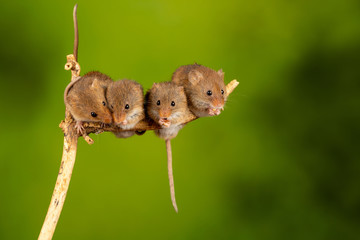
218 103
120 118
107 117
164 113
108 120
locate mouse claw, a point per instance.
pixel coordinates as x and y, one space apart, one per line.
214 111
79 128
164 123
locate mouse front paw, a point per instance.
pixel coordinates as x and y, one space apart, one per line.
164 123
79 128
214 111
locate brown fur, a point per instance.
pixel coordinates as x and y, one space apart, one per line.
124 92
166 92
197 81
87 95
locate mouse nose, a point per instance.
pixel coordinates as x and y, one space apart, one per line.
119 118
165 113
218 103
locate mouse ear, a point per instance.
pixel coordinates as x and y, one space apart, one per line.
155 85
180 88
195 77
95 83
221 73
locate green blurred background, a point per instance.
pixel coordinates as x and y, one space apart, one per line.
281 162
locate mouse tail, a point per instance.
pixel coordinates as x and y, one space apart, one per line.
170 174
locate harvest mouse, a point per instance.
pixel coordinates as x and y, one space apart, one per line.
85 99
166 104
204 88
126 102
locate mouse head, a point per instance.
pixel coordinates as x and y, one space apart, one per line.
166 101
126 102
206 89
90 104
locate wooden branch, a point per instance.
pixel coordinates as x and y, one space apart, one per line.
62 182
231 86
72 65
67 162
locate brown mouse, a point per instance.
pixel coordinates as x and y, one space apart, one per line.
85 99
204 88
126 102
166 104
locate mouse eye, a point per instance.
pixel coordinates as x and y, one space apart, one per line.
93 114
127 106
158 102
209 93
173 103
103 103
222 91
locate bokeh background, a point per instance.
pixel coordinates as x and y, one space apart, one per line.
281 162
